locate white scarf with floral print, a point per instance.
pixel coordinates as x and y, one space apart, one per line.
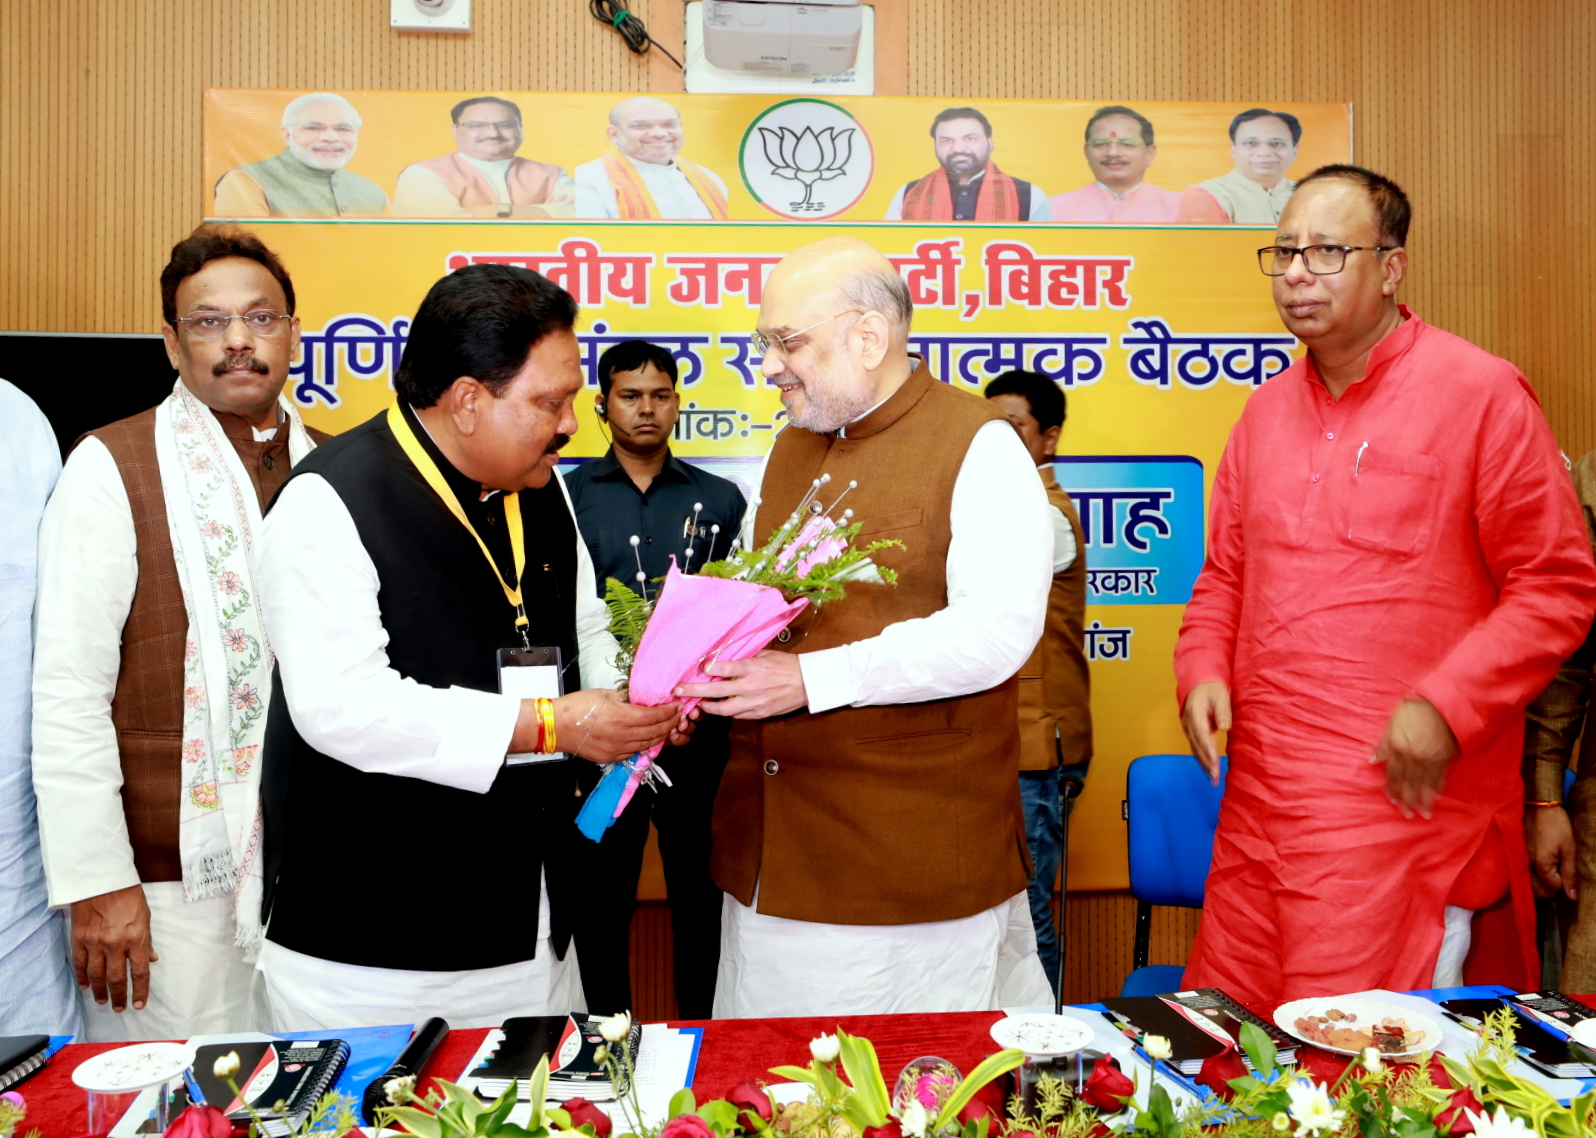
213 513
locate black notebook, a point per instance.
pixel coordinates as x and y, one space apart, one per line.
293 1072
20 1056
571 1044
1199 1024
1536 1046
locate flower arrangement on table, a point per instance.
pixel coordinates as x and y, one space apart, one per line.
727 611
847 1097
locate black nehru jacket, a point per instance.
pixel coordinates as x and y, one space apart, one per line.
359 865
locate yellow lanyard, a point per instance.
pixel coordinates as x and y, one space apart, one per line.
512 511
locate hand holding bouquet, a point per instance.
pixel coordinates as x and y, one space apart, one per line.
729 611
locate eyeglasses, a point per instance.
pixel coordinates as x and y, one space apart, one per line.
763 343
1321 260
212 325
505 124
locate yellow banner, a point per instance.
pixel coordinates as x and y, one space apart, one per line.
1156 336
804 159
663 219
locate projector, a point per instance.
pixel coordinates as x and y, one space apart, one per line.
430 15
790 39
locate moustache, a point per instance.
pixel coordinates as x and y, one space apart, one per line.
227 363
558 442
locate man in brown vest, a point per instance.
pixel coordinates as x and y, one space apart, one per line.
483 176
1055 685
152 668
868 831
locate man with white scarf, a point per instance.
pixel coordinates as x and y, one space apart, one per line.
153 666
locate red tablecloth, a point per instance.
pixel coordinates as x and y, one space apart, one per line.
732 1050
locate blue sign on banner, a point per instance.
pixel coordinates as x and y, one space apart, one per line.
1142 518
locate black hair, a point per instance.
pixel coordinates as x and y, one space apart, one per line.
1392 211
481 321
960 113
454 115
1044 396
214 243
1116 109
633 355
1291 121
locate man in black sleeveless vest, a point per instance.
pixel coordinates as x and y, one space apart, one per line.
417 836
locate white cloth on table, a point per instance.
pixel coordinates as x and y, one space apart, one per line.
40 997
297 992
199 986
773 966
318 589
673 194
999 571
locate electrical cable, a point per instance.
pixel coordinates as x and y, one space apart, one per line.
631 29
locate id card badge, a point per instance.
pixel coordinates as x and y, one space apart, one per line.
531 673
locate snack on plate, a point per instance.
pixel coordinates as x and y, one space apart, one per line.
1341 1030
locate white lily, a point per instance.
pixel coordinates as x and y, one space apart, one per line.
616 1027
226 1066
913 1119
825 1048
1157 1047
1372 1062
1312 1109
1499 1125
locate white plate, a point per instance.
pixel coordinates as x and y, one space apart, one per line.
133 1068
1042 1036
784 1093
1368 1012
1584 1032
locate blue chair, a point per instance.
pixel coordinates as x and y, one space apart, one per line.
1171 811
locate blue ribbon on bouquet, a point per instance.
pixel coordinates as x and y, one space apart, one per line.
598 812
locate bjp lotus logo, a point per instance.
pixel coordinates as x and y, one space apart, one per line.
812 144
808 158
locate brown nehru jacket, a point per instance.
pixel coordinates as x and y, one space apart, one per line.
147 707
877 815
1055 685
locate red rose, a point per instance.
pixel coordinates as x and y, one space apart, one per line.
1099 1130
888 1129
753 1099
1107 1085
1218 1070
200 1122
687 1126
584 1113
977 1109
1452 1120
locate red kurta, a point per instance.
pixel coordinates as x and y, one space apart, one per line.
1419 536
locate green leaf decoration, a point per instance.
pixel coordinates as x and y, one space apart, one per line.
985 1071
859 1060
683 1102
1260 1049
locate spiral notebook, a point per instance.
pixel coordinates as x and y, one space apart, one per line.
293 1072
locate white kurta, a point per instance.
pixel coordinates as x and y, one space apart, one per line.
88 571
673 194
999 570
350 704
40 997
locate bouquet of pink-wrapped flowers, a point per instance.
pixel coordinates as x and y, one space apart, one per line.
729 610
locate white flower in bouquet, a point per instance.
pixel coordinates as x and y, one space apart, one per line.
913 1119
825 1048
1499 1125
616 1027
1281 1120
226 1066
1157 1047
1312 1109
1372 1062
400 1090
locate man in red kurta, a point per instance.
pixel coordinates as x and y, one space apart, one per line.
1396 566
